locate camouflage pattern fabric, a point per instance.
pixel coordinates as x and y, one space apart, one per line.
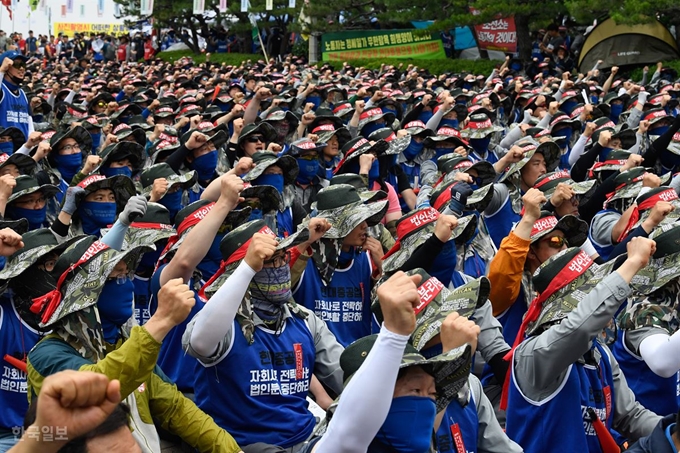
346 218
187 180
659 310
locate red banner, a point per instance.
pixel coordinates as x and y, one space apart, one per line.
499 35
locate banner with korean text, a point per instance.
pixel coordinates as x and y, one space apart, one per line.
352 45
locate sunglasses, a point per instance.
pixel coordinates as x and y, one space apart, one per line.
19 64
101 104
255 139
556 242
308 157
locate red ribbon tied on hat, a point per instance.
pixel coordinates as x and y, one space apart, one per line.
618 162
238 255
187 223
574 269
53 298
406 226
649 203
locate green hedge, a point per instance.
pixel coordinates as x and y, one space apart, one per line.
636 74
434 66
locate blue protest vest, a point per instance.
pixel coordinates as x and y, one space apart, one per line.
14 110
284 222
258 392
561 419
345 304
500 224
651 390
142 294
16 339
459 428
178 366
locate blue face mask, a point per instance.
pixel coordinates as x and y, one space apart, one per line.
594 99
370 128
270 180
568 106
669 160
7 148
425 116
440 151
172 201
68 165
481 145
566 132
205 165
346 257
209 265
255 214
316 100
95 215
108 172
284 109
35 217
616 110
96 141
308 170
604 153
115 307
150 259
467 86
449 123
414 148
658 130
392 111
409 425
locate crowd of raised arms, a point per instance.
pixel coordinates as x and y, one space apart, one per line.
279 257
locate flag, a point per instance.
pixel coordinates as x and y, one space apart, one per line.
69 6
33 4
269 5
8 5
116 10
43 5
199 6
63 11
291 3
146 7
223 6
100 7
244 6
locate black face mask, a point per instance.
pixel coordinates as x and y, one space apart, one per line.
15 80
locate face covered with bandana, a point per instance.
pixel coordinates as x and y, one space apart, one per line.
32 207
115 302
97 211
410 421
309 167
68 158
172 200
616 110
6 145
204 161
282 128
272 176
119 167
270 288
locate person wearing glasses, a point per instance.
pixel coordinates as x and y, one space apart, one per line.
14 106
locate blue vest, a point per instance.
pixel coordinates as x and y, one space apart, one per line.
444 264
412 171
511 319
195 196
284 223
345 304
561 419
142 294
651 390
175 363
500 224
59 196
258 392
459 428
603 250
16 339
14 110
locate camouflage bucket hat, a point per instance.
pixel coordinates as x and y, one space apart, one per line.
358 183
579 275
628 184
342 206
18 138
123 131
415 228
37 243
278 114
358 146
477 201
417 127
396 144
24 164
328 131
479 126
448 134
575 230
163 170
162 149
548 183
121 185
79 285
26 185
485 171
266 129
450 370
217 136
267 198
132 151
79 134
375 114
437 302
664 265
154 226
550 150
265 159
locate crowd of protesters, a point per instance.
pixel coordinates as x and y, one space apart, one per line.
283 257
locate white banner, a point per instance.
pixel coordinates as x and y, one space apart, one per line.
199 6
145 7
291 3
269 5
244 6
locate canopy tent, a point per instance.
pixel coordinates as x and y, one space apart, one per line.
621 45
